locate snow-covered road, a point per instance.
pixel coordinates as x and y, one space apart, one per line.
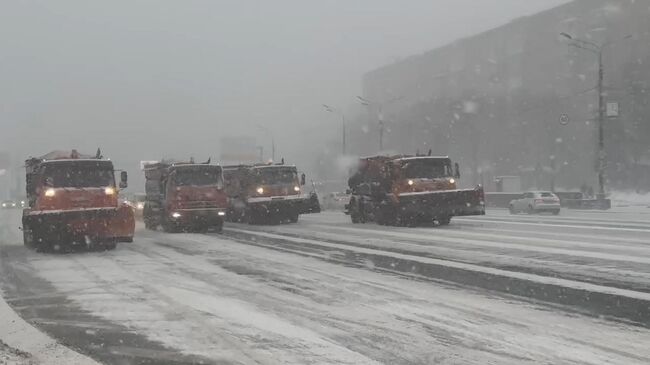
316 292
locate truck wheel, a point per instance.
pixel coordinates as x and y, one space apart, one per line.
28 238
219 226
407 221
357 218
530 210
110 245
386 216
556 212
512 209
170 227
444 221
293 217
149 225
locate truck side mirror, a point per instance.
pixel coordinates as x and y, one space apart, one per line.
302 179
348 191
123 180
456 171
49 182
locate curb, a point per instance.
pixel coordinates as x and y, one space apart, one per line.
598 300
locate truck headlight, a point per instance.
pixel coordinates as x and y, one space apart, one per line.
109 190
296 188
410 182
176 215
4 205
452 181
221 214
140 205
50 192
260 190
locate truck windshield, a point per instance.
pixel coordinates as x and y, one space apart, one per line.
198 177
80 176
269 176
426 169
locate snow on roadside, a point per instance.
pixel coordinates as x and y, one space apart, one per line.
622 198
20 343
12 356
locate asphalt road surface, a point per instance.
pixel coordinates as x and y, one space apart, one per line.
501 289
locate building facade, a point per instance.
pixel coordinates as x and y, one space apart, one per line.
494 101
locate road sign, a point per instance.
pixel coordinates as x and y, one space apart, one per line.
564 119
612 110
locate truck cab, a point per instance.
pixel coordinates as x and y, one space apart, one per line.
182 196
269 192
75 200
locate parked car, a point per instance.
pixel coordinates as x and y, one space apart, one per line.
536 202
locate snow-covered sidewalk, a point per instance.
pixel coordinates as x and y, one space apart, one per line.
21 343
12 356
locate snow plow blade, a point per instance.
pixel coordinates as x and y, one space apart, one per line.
447 203
98 225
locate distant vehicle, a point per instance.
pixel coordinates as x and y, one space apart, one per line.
182 196
137 201
536 202
73 199
8 204
311 204
336 200
408 190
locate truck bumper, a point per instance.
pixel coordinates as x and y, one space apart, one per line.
277 205
198 217
442 204
97 224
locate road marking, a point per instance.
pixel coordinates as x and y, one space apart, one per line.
459 265
555 225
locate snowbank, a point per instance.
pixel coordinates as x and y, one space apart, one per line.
620 198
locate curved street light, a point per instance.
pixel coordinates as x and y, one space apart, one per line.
380 116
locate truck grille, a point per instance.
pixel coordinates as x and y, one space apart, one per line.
200 204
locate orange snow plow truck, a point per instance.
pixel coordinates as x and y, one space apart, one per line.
73 200
184 196
408 190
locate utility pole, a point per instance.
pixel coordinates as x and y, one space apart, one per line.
380 116
267 130
261 149
597 49
343 128
601 131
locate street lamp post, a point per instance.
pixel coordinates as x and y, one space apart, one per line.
261 149
597 49
339 112
380 116
267 130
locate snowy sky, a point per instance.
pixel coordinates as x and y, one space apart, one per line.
115 68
